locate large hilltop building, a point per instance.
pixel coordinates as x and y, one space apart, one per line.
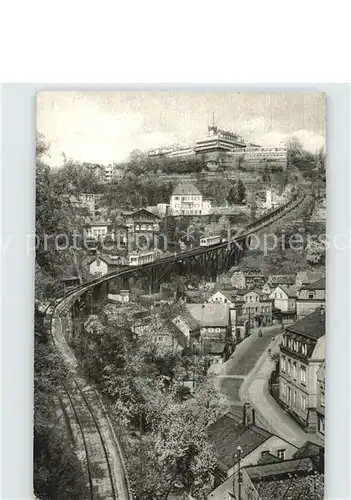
223 142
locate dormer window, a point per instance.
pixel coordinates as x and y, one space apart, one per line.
310 296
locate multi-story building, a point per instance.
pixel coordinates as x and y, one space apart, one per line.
321 402
218 140
230 433
278 279
211 327
88 201
258 308
301 354
98 229
310 297
248 277
284 302
142 222
186 199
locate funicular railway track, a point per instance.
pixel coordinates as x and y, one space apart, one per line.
98 447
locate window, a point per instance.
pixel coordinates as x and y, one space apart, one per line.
294 398
283 363
322 399
303 402
294 370
304 349
281 454
210 330
264 453
310 295
289 366
321 426
303 374
283 388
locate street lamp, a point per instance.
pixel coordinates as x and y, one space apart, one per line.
240 476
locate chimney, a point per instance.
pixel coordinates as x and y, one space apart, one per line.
253 416
245 415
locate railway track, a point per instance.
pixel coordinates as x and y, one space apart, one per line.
98 447
95 441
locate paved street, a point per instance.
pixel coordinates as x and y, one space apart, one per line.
232 373
244 377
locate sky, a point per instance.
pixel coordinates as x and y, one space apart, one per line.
104 127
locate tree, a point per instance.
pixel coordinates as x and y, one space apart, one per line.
315 252
237 193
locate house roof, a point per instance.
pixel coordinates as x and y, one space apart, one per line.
189 320
311 326
107 259
276 469
228 295
281 279
309 276
209 314
290 292
98 223
228 433
139 212
316 285
308 449
186 189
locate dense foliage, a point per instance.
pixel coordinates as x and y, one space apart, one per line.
164 425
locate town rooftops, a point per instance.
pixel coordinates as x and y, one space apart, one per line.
316 285
281 279
228 433
209 314
311 326
186 190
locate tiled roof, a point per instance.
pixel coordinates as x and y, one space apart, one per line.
107 259
312 326
308 449
290 292
229 432
281 279
186 189
258 472
189 320
139 212
309 276
316 285
209 314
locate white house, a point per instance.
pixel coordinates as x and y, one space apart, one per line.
221 298
284 298
186 199
121 296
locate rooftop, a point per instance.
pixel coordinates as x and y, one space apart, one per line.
311 326
274 470
281 279
209 314
290 292
229 432
316 285
186 190
309 276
